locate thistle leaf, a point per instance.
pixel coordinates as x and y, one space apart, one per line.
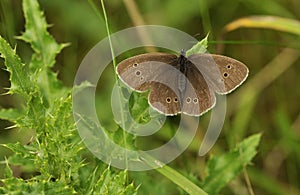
226 167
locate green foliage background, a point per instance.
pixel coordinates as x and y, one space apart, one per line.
44 150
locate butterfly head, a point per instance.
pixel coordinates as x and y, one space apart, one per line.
182 52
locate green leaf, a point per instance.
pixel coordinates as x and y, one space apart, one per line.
139 107
111 183
43 44
106 181
35 116
200 47
226 167
20 81
34 186
45 48
10 114
17 148
51 88
23 154
8 172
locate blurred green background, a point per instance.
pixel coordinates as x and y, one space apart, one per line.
269 101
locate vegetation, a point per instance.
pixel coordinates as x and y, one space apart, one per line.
41 151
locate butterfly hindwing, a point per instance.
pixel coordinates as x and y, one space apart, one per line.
199 97
164 99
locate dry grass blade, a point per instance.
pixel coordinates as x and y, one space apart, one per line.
138 20
267 22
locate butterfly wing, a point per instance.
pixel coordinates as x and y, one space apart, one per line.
163 99
139 71
198 97
157 72
223 74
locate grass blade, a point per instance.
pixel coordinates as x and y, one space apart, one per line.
268 22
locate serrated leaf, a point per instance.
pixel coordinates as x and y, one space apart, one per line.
226 167
112 183
51 88
79 88
24 161
36 34
124 139
45 48
139 107
63 113
20 81
7 171
200 47
23 154
35 117
16 147
36 185
10 114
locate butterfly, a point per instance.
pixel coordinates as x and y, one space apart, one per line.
180 84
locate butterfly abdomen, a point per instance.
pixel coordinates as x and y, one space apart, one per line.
181 83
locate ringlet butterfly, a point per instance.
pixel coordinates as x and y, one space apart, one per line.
180 84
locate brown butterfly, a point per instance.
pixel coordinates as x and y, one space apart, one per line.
182 84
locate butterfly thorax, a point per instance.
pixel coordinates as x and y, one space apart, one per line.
182 62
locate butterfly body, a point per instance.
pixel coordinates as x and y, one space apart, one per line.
181 64
182 84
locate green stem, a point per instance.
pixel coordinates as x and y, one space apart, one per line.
174 176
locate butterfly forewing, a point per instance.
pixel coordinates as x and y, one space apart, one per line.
222 73
138 71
